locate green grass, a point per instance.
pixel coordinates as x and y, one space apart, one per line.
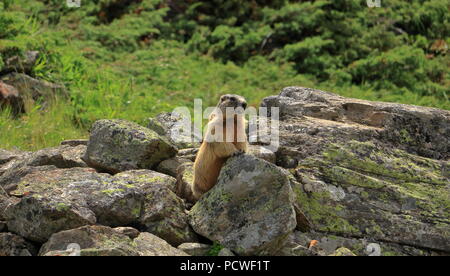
112 72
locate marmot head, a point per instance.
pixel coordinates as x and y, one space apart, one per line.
233 101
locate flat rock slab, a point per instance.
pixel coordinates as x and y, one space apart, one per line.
369 170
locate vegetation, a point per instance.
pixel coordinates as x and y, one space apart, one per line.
132 59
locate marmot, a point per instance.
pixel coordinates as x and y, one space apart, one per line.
212 153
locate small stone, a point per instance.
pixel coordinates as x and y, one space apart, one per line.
195 249
225 252
131 232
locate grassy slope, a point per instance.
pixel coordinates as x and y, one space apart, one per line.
108 77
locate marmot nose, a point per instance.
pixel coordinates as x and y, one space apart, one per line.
244 105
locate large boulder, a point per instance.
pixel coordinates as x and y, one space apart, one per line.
163 212
48 200
105 241
118 145
250 209
367 170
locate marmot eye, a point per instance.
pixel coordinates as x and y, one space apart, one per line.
233 99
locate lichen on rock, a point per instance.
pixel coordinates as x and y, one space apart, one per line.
250 210
119 145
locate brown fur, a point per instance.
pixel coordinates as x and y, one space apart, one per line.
212 155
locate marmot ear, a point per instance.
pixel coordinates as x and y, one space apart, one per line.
223 98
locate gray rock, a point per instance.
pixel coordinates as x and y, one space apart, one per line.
185 178
262 152
250 210
51 200
169 124
119 145
13 245
163 211
54 199
75 142
130 232
188 153
195 249
22 64
10 97
34 88
62 157
225 252
170 166
150 245
9 155
105 241
5 201
369 170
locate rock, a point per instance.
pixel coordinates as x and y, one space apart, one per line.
7 156
13 245
62 157
342 251
119 145
51 200
163 211
58 199
21 64
105 241
169 124
130 232
170 166
250 210
75 142
262 152
418 130
225 252
29 87
195 249
298 245
10 97
369 170
189 153
5 201
150 245
3 226
185 178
